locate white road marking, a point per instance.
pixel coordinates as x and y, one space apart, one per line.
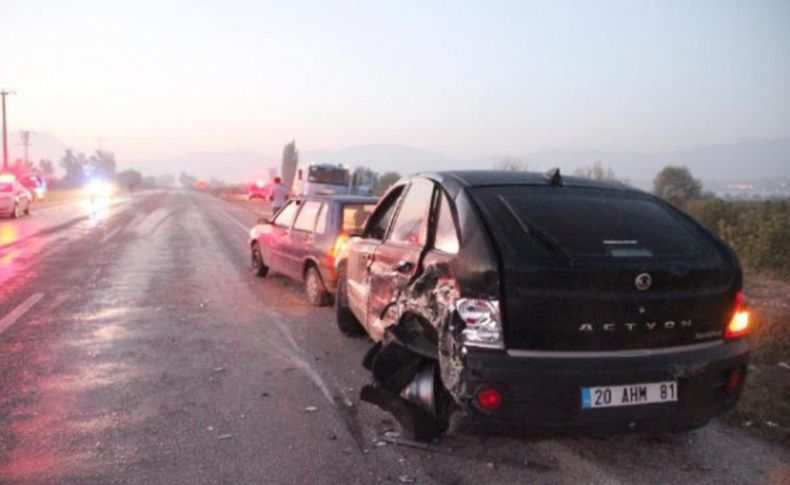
296 353
147 225
111 234
244 228
19 311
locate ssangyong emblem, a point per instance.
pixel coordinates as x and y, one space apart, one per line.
643 281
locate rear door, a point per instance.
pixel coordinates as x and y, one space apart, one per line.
361 252
300 240
396 261
600 270
272 245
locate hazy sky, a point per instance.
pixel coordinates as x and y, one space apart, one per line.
160 78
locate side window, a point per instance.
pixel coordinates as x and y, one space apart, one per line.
286 215
411 225
446 233
380 219
355 215
305 221
320 226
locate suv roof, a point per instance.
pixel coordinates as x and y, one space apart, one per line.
353 199
488 178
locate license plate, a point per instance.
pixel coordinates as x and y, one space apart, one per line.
629 395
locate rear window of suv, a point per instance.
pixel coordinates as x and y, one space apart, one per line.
592 222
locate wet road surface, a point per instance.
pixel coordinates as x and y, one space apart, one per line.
137 347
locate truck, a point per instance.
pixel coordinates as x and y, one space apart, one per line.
333 179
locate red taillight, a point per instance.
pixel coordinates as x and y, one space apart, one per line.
489 399
734 381
335 250
738 325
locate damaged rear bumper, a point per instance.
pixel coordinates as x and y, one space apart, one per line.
541 391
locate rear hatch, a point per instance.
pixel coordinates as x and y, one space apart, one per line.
589 269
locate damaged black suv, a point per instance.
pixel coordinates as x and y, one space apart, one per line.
522 302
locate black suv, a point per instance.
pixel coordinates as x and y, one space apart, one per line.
521 301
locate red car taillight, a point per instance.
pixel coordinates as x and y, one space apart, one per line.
738 325
334 251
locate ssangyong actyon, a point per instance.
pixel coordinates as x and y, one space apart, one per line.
505 301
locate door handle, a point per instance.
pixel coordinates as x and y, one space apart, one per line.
403 266
366 256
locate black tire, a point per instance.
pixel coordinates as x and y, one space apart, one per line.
346 321
256 259
315 288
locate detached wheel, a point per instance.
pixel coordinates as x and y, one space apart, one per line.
346 321
314 285
256 261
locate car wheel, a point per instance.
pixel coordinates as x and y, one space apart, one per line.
16 214
346 321
256 260
314 285
27 209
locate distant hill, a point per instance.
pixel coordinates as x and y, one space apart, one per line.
228 166
382 158
743 160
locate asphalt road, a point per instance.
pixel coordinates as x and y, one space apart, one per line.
137 347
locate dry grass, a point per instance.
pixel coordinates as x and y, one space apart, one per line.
765 403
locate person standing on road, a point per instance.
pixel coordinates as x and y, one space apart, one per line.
278 195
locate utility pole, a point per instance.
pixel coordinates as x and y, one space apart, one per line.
25 136
3 94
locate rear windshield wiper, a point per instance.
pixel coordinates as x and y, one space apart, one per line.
532 229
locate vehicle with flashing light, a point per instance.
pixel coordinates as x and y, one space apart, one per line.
15 199
301 240
36 184
259 190
99 189
537 303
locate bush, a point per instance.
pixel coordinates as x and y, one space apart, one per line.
758 231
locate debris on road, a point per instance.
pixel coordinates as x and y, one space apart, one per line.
784 365
406 479
310 409
225 436
219 369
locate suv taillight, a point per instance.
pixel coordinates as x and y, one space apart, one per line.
738 325
482 322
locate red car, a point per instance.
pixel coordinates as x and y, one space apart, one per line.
302 240
259 190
